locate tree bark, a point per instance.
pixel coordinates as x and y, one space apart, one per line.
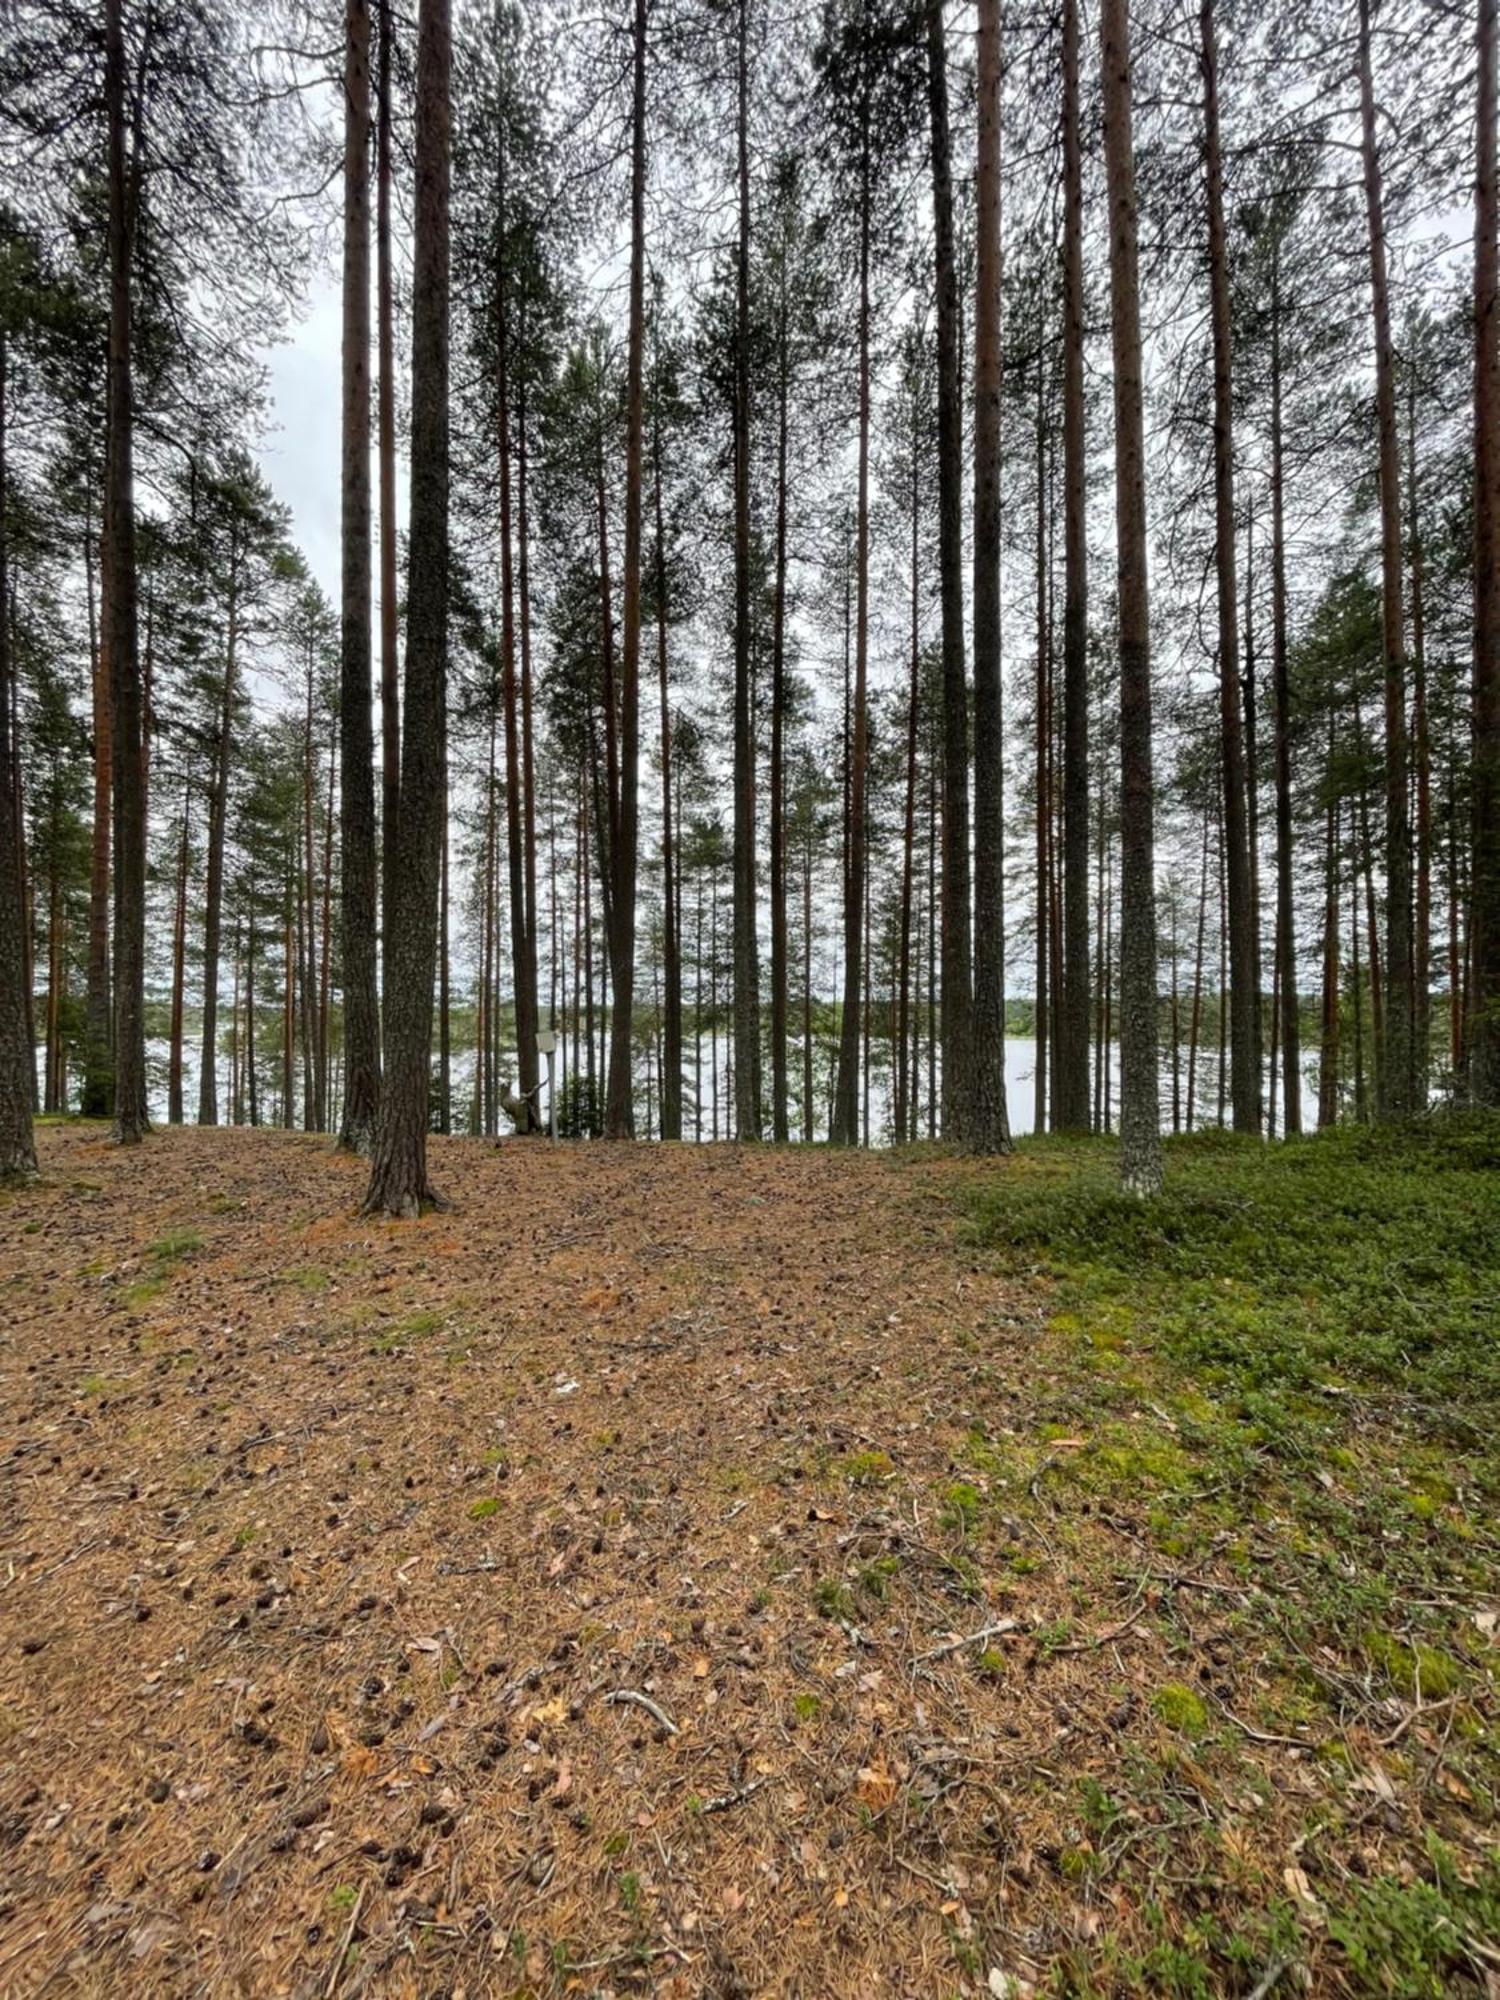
987 1123
398 1173
1421 745
1397 1094
390 693
1286 939
252 1081
671 1090
1045 1065
523 983
528 760
746 944
1483 1029
1070 1107
17 1057
1243 1042
906 1067
1195 1017
179 966
957 991
131 1118
845 1128
1140 1152
218 822
779 969
356 743
98 1068
619 1119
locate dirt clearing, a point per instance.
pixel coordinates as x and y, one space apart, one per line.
579 1592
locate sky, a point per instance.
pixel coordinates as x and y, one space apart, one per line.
301 448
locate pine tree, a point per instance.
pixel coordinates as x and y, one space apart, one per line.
399 1185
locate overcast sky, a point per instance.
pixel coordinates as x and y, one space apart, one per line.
301 448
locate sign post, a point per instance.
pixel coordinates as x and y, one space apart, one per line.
546 1045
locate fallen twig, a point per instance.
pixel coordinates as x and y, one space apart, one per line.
978 1638
737 1797
1418 1714
1264 1736
638 1700
1270 1977
336 1969
1103 1638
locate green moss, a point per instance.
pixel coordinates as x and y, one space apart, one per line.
175 1245
865 1468
874 1578
1415 1669
1180 1709
834 1599
100 1385
986 1457
485 1509
961 1504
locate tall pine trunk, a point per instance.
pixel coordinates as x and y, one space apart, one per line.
390 692
846 1123
523 984
17 1059
1286 940
987 1123
398 1172
1397 1092
746 945
619 1115
179 969
1047 958
1070 1105
779 967
957 985
1140 1150
1421 749
1244 1047
131 1119
1483 1031
356 741
98 1068
906 1065
218 822
671 1087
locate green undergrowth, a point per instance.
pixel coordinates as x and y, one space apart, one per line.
1279 1381
1285 1294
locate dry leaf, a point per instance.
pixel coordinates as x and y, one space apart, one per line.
1301 1891
875 1787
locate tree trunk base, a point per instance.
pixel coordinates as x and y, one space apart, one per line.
392 1195
993 1147
1143 1182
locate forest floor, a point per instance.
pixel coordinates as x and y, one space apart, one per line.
717 1571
